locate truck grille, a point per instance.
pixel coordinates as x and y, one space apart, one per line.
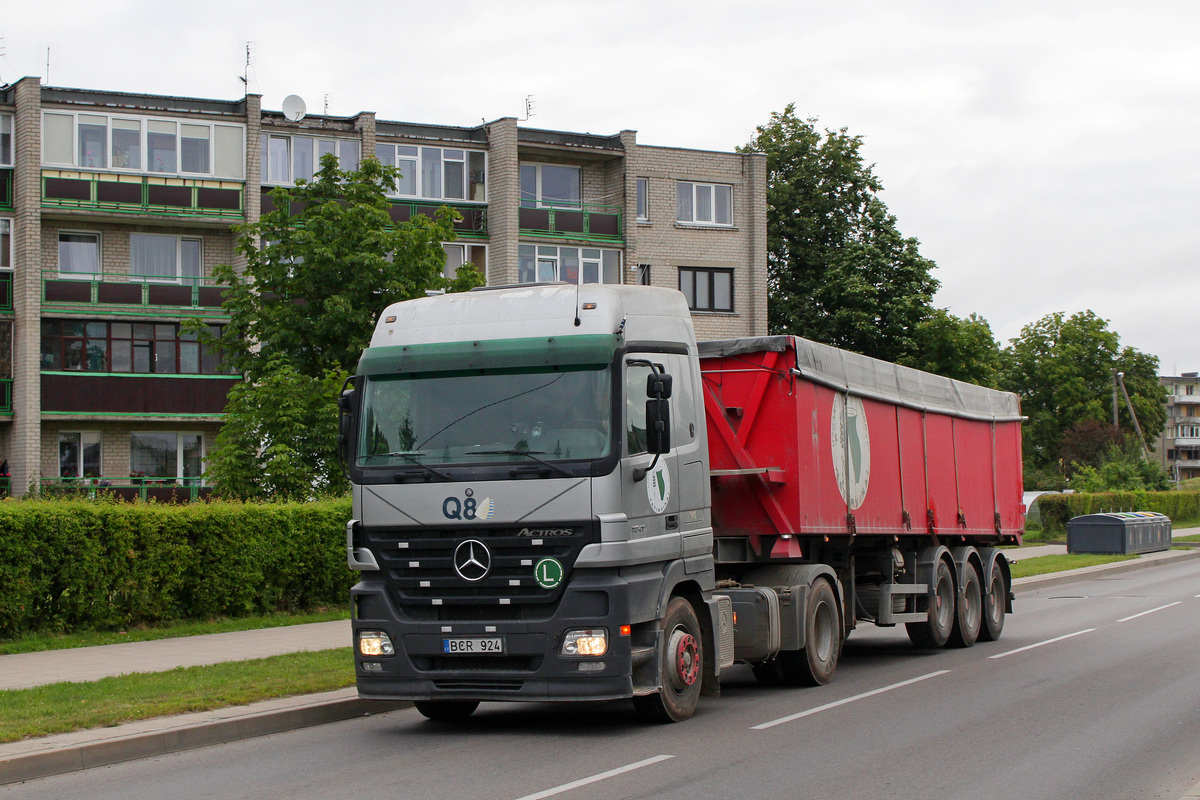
420 570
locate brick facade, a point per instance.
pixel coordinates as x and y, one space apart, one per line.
609 169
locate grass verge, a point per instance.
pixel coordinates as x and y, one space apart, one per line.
1024 567
63 707
1193 538
48 641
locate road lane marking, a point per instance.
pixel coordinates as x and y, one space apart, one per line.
1151 611
566 787
843 702
1039 644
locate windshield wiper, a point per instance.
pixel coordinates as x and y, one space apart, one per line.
411 457
566 473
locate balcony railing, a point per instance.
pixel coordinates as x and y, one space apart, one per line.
571 221
6 396
142 194
473 224
119 293
167 489
6 189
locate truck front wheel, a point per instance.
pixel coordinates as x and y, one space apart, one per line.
681 667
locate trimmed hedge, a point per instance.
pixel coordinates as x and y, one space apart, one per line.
76 564
1058 509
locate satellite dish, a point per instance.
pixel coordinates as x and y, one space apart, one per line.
294 108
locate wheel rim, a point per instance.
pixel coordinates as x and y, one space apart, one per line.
945 602
995 609
971 600
823 632
685 660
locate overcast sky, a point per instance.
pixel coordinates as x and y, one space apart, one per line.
1046 154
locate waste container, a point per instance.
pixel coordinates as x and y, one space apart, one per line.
1119 532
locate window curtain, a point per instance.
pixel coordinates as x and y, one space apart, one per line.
152 256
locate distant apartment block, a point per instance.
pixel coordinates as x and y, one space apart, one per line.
1179 443
116 207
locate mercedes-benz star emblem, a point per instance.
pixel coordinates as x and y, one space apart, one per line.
472 560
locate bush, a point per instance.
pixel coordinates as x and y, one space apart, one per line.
1058 509
75 564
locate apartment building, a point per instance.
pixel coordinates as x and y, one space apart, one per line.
115 208
1179 443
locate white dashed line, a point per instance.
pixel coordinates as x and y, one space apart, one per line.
566 787
1039 644
1151 611
837 703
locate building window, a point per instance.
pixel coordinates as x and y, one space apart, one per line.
154 257
458 255
707 289
127 347
142 144
705 203
437 173
79 454
166 456
6 140
643 275
643 200
544 263
6 252
551 186
78 254
287 159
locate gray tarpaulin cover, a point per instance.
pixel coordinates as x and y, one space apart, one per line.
869 377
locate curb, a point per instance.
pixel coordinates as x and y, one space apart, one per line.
1034 582
55 755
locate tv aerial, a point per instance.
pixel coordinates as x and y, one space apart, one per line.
294 108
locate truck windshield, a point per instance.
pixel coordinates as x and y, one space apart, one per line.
559 414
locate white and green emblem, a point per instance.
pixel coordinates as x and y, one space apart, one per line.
658 488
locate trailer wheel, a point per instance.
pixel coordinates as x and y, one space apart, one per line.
446 710
969 617
993 604
935 632
681 667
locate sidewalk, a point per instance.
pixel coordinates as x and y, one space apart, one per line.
51 755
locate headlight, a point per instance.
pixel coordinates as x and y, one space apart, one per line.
375 643
585 642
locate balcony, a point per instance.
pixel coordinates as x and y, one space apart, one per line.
6 408
6 189
160 490
473 224
135 394
142 194
116 293
586 222
6 290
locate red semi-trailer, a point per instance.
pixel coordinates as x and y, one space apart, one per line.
559 495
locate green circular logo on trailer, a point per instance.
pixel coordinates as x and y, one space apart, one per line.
548 573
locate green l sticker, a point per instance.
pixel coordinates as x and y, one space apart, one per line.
548 573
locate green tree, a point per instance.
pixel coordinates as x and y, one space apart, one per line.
839 270
1063 369
960 348
1123 469
319 267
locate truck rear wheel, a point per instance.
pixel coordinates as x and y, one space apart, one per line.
993 603
969 617
681 667
935 632
446 710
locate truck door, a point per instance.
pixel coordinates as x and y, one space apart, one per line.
651 502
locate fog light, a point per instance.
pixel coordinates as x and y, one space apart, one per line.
375 643
585 642
591 666
372 666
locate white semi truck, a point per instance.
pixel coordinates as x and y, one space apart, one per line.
559 496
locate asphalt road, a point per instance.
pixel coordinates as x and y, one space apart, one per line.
1093 691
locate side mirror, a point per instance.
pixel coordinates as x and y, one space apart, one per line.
345 403
658 384
658 425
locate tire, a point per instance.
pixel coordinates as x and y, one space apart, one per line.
935 632
968 618
681 667
816 663
995 596
446 710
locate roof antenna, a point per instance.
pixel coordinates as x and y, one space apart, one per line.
245 76
529 112
577 320
47 65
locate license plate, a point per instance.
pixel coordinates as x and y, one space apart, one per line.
475 645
